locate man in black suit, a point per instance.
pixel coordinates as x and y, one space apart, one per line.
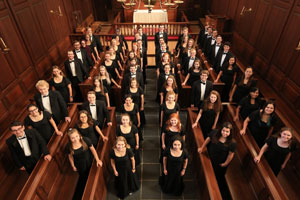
185 32
95 39
51 101
97 109
143 37
202 35
189 61
216 48
77 73
160 52
222 57
206 36
26 146
133 74
210 42
121 38
161 34
201 89
143 53
81 54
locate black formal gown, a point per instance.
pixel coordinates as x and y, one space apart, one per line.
133 113
275 155
43 126
227 78
62 87
247 108
170 134
207 120
126 182
89 132
136 97
111 69
167 112
130 138
258 128
242 90
194 76
165 91
172 183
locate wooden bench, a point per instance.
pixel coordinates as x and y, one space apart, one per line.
96 186
261 177
208 186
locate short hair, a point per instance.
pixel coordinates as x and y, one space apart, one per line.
41 83
227 44
15 123
75 41
91 92
185 28
205 72
140 27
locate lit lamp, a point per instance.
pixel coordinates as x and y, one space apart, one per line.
172 5
127 5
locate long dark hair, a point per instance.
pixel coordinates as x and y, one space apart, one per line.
84 145
229 139
217 106
89 118
265 105
250 79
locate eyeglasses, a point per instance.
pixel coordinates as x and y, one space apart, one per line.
16 130
31 111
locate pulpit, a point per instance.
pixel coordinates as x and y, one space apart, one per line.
155 16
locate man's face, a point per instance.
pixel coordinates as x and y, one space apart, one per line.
77 45
132 69
226 48
18 131
193 53
70 55
203 77
91 98
161 28
89 31
44 90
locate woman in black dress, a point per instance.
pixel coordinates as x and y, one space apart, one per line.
169 85
209 112
42 121
130 133
162 79
92 46
172 128
175 160
123 165
111 66
227 75
248 104
181 48
193 73
242 86
89 127
165 59
61 83
89 51
168 107
261 123
81 152
116 60
221 150
278 150
101 91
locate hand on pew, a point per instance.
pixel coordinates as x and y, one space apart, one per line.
116 173
109 124
58 132
200 150
257 159
105 138
48 157
74 169
22 168
68 119
99 163
90 78
223 165
71 99
242 132
194 125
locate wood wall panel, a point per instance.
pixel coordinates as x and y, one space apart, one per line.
232 9
291 92
31 33
29 79
17 2
6 76
2 5
14 94
260 64
276 77
43 67
271 31
295 72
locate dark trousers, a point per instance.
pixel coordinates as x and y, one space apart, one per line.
75 84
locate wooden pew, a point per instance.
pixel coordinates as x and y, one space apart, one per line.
48 178
98 178
261 177
208 186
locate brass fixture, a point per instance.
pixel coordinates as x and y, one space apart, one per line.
58 13
244 10
5 48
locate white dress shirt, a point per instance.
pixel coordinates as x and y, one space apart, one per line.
72 66
191 62
217 49
24 145
202 91
46 103
223 58
93 111
79 55
213 41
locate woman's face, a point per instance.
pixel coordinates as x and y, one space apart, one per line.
102 71
269 109
125 120
83 118
186 38
166 58
87 37
83 44
133 84
286 135
231 61
190 43
225 132
167 69
197 65
107 57
248 72
114 42
74 137
96 82
254 94
33 110
56 72
213 98
128 101
131 55
120 145
171 98
170 82
177 145
173 121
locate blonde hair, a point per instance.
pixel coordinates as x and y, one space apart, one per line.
84 145
41 83
106 74
121 139
57 67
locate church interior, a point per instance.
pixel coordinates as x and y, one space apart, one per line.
38 37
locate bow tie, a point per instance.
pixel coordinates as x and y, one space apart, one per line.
46 96
71 61
92 105
217 45
202 82
192 58
224 53
78 51
21 138
133 74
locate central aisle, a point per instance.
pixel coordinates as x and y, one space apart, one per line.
149 170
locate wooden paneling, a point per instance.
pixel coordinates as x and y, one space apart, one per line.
6 76
13 95
29 79
295 72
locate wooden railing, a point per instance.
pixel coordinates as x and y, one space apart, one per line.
207 184
96 186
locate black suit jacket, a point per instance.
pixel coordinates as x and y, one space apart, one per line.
123 41
185 66
86 60
165 36
101 109
196 92
57 103
98 43
212 55
217 65
139 79
81 71
201 38
208 46
37 147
